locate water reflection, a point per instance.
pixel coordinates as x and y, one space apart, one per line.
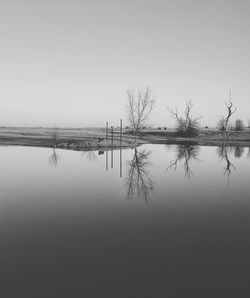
238 152
138 181
224 152
54 159
112 153
90 155
76 226
185 153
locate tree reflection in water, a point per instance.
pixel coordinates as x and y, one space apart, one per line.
138 181
54 159
185 153
223 152
238 152
90 155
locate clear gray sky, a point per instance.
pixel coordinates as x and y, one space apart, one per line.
69 63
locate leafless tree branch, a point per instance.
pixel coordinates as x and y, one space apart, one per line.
139 108
186 125
223 123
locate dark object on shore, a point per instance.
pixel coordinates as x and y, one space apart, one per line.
100 152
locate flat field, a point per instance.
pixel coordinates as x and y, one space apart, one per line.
96 138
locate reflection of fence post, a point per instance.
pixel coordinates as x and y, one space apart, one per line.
121 148
107 127
107 160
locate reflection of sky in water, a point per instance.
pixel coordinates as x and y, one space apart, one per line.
173 169
67 221
158 174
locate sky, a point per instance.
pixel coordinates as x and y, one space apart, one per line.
69 63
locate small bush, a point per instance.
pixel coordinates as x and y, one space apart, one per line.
239 125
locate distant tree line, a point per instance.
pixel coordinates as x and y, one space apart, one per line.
140 105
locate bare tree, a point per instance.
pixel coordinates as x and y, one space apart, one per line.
239 125
139 108
186 125
54 135
138 181
223 124
185 153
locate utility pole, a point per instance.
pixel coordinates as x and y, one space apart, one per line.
107 128
120 132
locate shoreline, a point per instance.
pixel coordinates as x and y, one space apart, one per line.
95 139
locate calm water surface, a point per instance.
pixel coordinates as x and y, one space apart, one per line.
159 221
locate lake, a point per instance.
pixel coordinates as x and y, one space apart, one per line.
156 221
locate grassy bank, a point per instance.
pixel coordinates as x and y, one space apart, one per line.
67 138
95 138
205 137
